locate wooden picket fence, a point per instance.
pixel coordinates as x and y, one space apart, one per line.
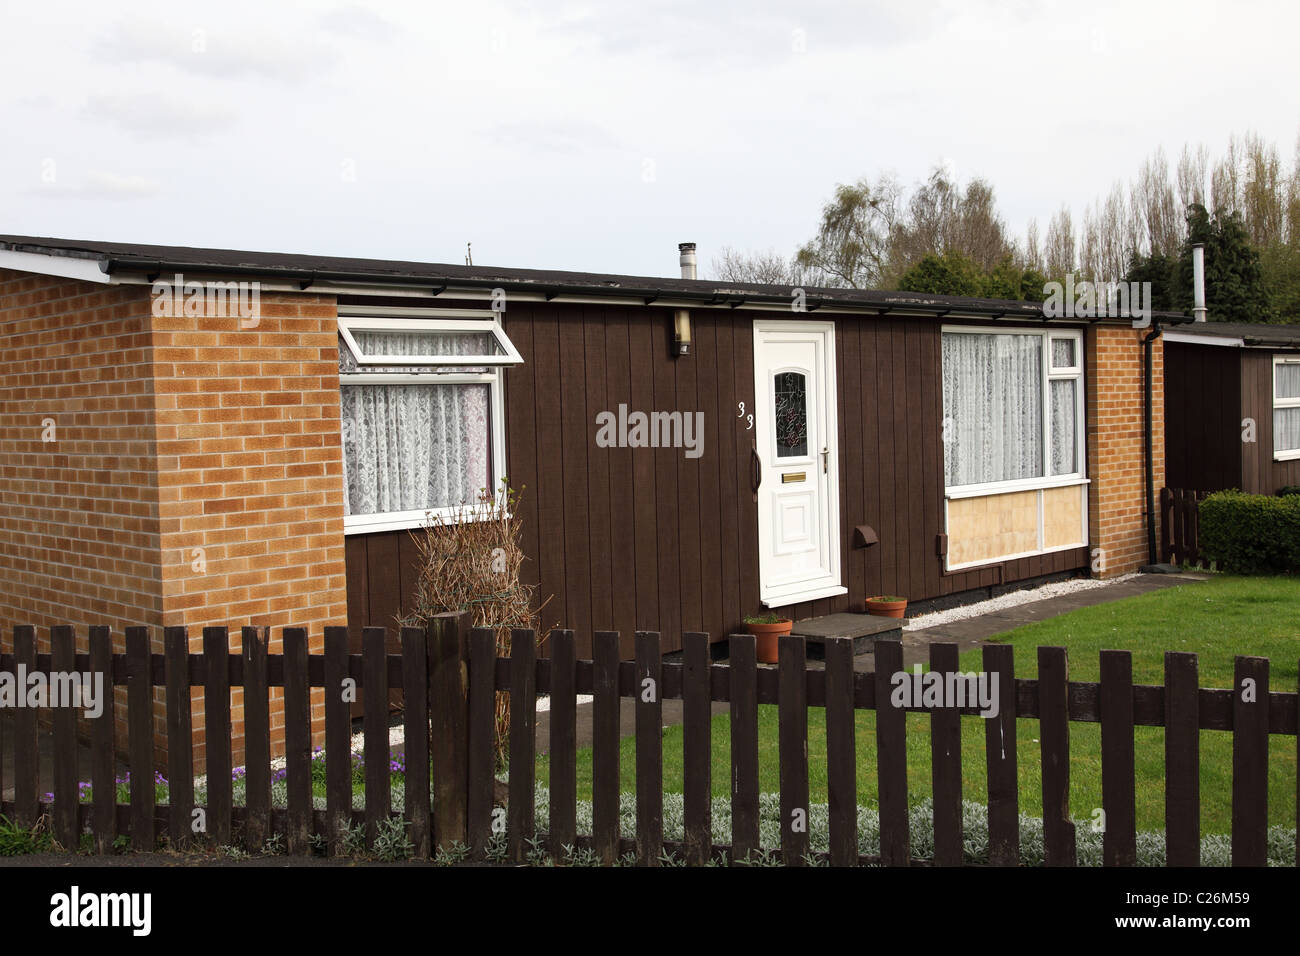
1180 523
450 676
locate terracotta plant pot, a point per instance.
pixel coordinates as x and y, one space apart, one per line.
767 635
882 608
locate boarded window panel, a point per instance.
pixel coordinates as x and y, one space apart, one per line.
1063 516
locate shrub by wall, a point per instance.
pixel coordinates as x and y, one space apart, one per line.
1250 534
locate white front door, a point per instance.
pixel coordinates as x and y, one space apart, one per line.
795 435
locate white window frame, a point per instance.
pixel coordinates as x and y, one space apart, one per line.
1048 375
430 320
1285 454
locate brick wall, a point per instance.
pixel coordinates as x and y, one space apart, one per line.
1116 512
194 477
251 477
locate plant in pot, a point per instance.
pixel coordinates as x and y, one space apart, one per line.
887 605
767 628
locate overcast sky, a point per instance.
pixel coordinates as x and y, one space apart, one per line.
597 136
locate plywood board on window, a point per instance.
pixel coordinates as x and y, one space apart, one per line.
1063 516
992 527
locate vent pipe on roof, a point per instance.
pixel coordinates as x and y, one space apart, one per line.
687 251
1198 282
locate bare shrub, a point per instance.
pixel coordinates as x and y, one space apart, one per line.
470 561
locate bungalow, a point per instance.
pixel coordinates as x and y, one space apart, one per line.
1232 407
178 448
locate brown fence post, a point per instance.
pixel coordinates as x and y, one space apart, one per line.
63 647
1059 847
1118 780
1182 760
26 765
103 786
180 741
1250 762
448 649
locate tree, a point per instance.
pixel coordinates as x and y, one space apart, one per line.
851 247
942 218
1161 272
955 273
762 268
1234 289
950 274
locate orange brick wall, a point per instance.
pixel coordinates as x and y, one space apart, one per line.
251 475
174 433
1116 514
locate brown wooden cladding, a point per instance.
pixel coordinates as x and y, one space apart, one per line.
1203 447
1209 391
1260 474
647 539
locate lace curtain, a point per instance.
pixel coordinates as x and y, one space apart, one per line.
418 446
414 447
993 408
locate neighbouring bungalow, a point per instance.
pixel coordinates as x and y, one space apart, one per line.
1232 407
180 449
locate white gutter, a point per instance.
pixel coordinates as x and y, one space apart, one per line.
67 267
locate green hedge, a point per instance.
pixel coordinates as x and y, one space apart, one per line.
1250 534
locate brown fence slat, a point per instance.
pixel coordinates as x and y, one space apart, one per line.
482 737
792 745
415 740
139 696
563 743
339 694
604 749
257 737
1250 762
649 749
26 747
63 646
1000 751
841 753
520 825
1054 733
216 732
1182 761
103 783
945 766
447 637
743 653
297 741
1118 781
374 721
891 757
697 740
180 739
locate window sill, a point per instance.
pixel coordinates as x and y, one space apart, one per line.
411 520
1286 455
1011 487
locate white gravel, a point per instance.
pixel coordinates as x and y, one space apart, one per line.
1011 599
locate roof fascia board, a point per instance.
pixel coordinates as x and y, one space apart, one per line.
66 267
1191 338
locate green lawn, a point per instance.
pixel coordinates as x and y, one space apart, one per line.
1217 619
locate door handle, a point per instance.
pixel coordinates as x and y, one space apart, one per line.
755 470
826 460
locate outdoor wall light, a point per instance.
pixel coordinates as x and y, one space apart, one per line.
682 332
